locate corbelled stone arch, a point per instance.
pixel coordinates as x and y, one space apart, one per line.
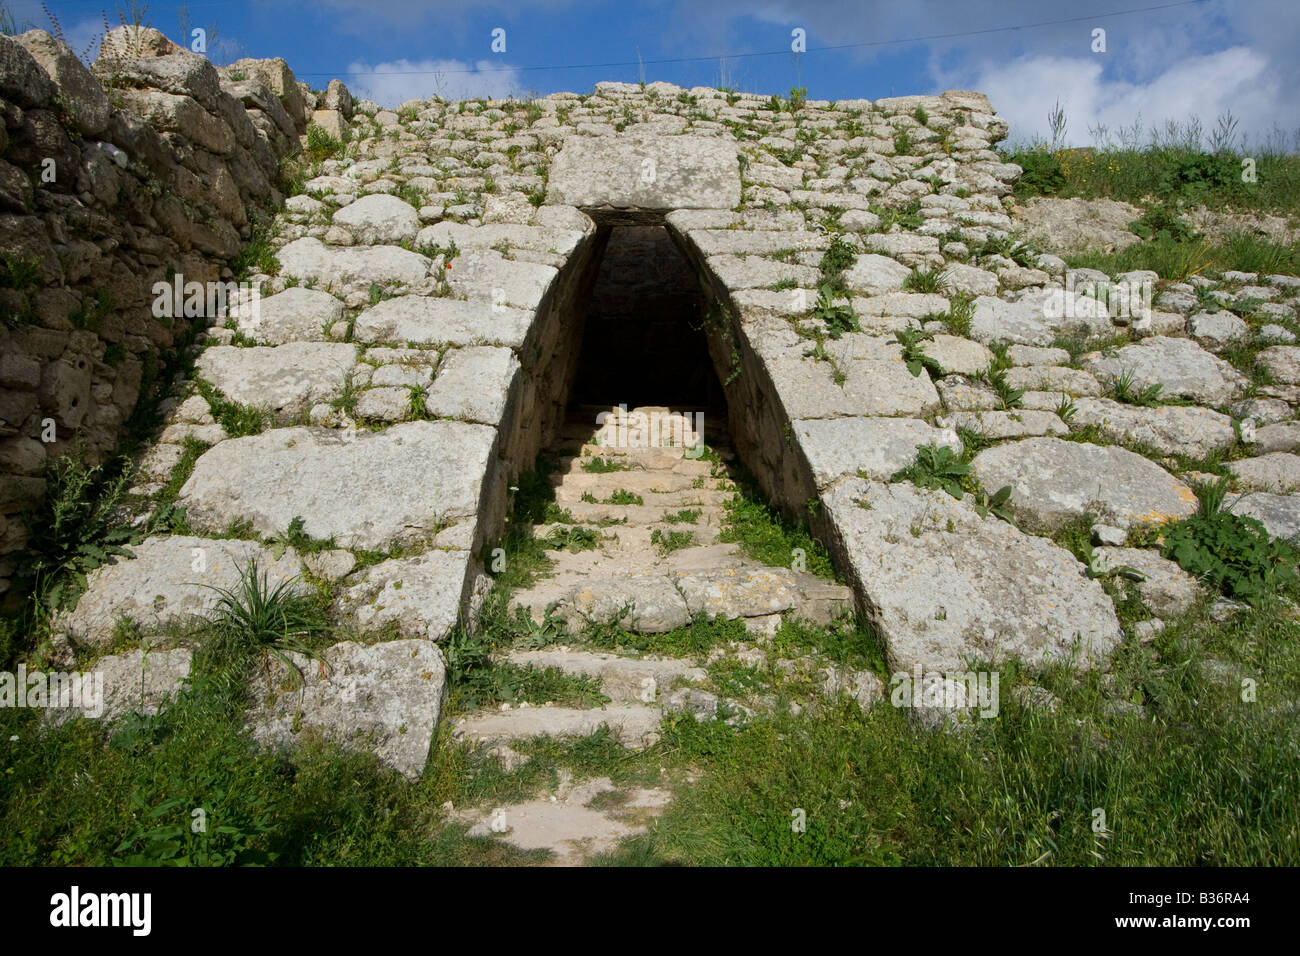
658 192
631 186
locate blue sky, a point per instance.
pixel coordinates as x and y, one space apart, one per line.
1200 58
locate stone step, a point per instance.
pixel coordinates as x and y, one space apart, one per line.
658 423
571 569
651 598
635 725
759 590
640 482
621 678
587 448
630 579
622 539
652 512
636 539
688 499
658 464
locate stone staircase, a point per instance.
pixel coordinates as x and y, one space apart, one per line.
644 579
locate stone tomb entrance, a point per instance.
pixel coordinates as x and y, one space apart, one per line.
643 341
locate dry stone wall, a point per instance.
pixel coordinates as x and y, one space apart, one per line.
419 342
150 165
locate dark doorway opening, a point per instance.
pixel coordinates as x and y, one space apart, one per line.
644 342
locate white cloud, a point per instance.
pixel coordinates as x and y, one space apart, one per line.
83 38
393 82
1202 59
1238 80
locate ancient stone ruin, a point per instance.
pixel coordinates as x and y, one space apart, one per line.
638 275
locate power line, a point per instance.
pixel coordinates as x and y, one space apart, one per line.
865 44
736 56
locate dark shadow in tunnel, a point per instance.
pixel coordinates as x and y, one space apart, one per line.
644 341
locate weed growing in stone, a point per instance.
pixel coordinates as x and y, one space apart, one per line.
1230 552
572 539
667 542
321 144
839 255
1125 390
238 420
937 467
996 504
1066 409
996 377
925 280
914 356
275 620
838 318
76 528
17 272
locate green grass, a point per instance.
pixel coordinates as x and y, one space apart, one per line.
75 528
666 542
321 144
410 195
1249 253
1125 390
256 255
1244 354
839 255
17 272
1161 219
1203 779
238 420
925 280
622 496
766 536
1176 260
691 640
542 685
274 620
1200 777
847 642
166 517
602 466
1173 173
85 795
477 672
909 217
291 177
960 312
480 678
92 310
